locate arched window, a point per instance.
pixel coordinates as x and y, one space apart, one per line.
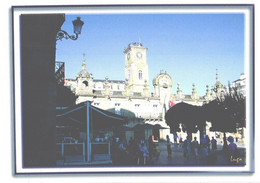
140 75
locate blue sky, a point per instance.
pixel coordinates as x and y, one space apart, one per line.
189 47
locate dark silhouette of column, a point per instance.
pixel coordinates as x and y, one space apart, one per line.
38 49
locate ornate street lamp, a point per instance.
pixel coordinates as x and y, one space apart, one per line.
77 25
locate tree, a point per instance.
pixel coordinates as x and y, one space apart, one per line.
235 103
188 116
226 113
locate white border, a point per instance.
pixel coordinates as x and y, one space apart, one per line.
122 10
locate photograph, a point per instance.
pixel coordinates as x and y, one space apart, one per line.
133 88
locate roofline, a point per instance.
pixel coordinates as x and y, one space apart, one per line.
115 81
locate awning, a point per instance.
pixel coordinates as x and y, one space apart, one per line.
99 118
147 126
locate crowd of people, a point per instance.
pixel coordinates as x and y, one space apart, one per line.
140 152
135 152
203 151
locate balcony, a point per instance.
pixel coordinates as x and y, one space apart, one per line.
60 72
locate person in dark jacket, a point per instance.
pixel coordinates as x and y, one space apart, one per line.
169 150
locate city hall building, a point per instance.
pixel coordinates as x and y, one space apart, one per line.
132 97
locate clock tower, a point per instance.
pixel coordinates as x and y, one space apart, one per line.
136 70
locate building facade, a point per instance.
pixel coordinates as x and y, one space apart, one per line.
240 84
132 97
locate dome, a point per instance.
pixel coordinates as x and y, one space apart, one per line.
163 79
83 74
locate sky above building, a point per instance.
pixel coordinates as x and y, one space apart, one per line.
189 47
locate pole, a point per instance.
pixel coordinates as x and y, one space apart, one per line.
88 135
62 149
84 152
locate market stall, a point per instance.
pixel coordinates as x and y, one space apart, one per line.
90 129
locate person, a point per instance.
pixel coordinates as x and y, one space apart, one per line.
144 153
208 142
195 147
225 146
232 149
184 148
213 144
169 150
204 148
131 149
131 142
236 135
151 147
175 137
106 139
187 145
157 152
115 151
180 142
97 139
135 151
122 152
212 157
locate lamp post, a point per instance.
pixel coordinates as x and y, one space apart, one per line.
77 25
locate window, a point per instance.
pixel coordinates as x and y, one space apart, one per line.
137 110
118 87
155 111
117 109
140 75
96 104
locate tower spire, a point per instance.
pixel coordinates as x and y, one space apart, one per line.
84 62
194 92
217 77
